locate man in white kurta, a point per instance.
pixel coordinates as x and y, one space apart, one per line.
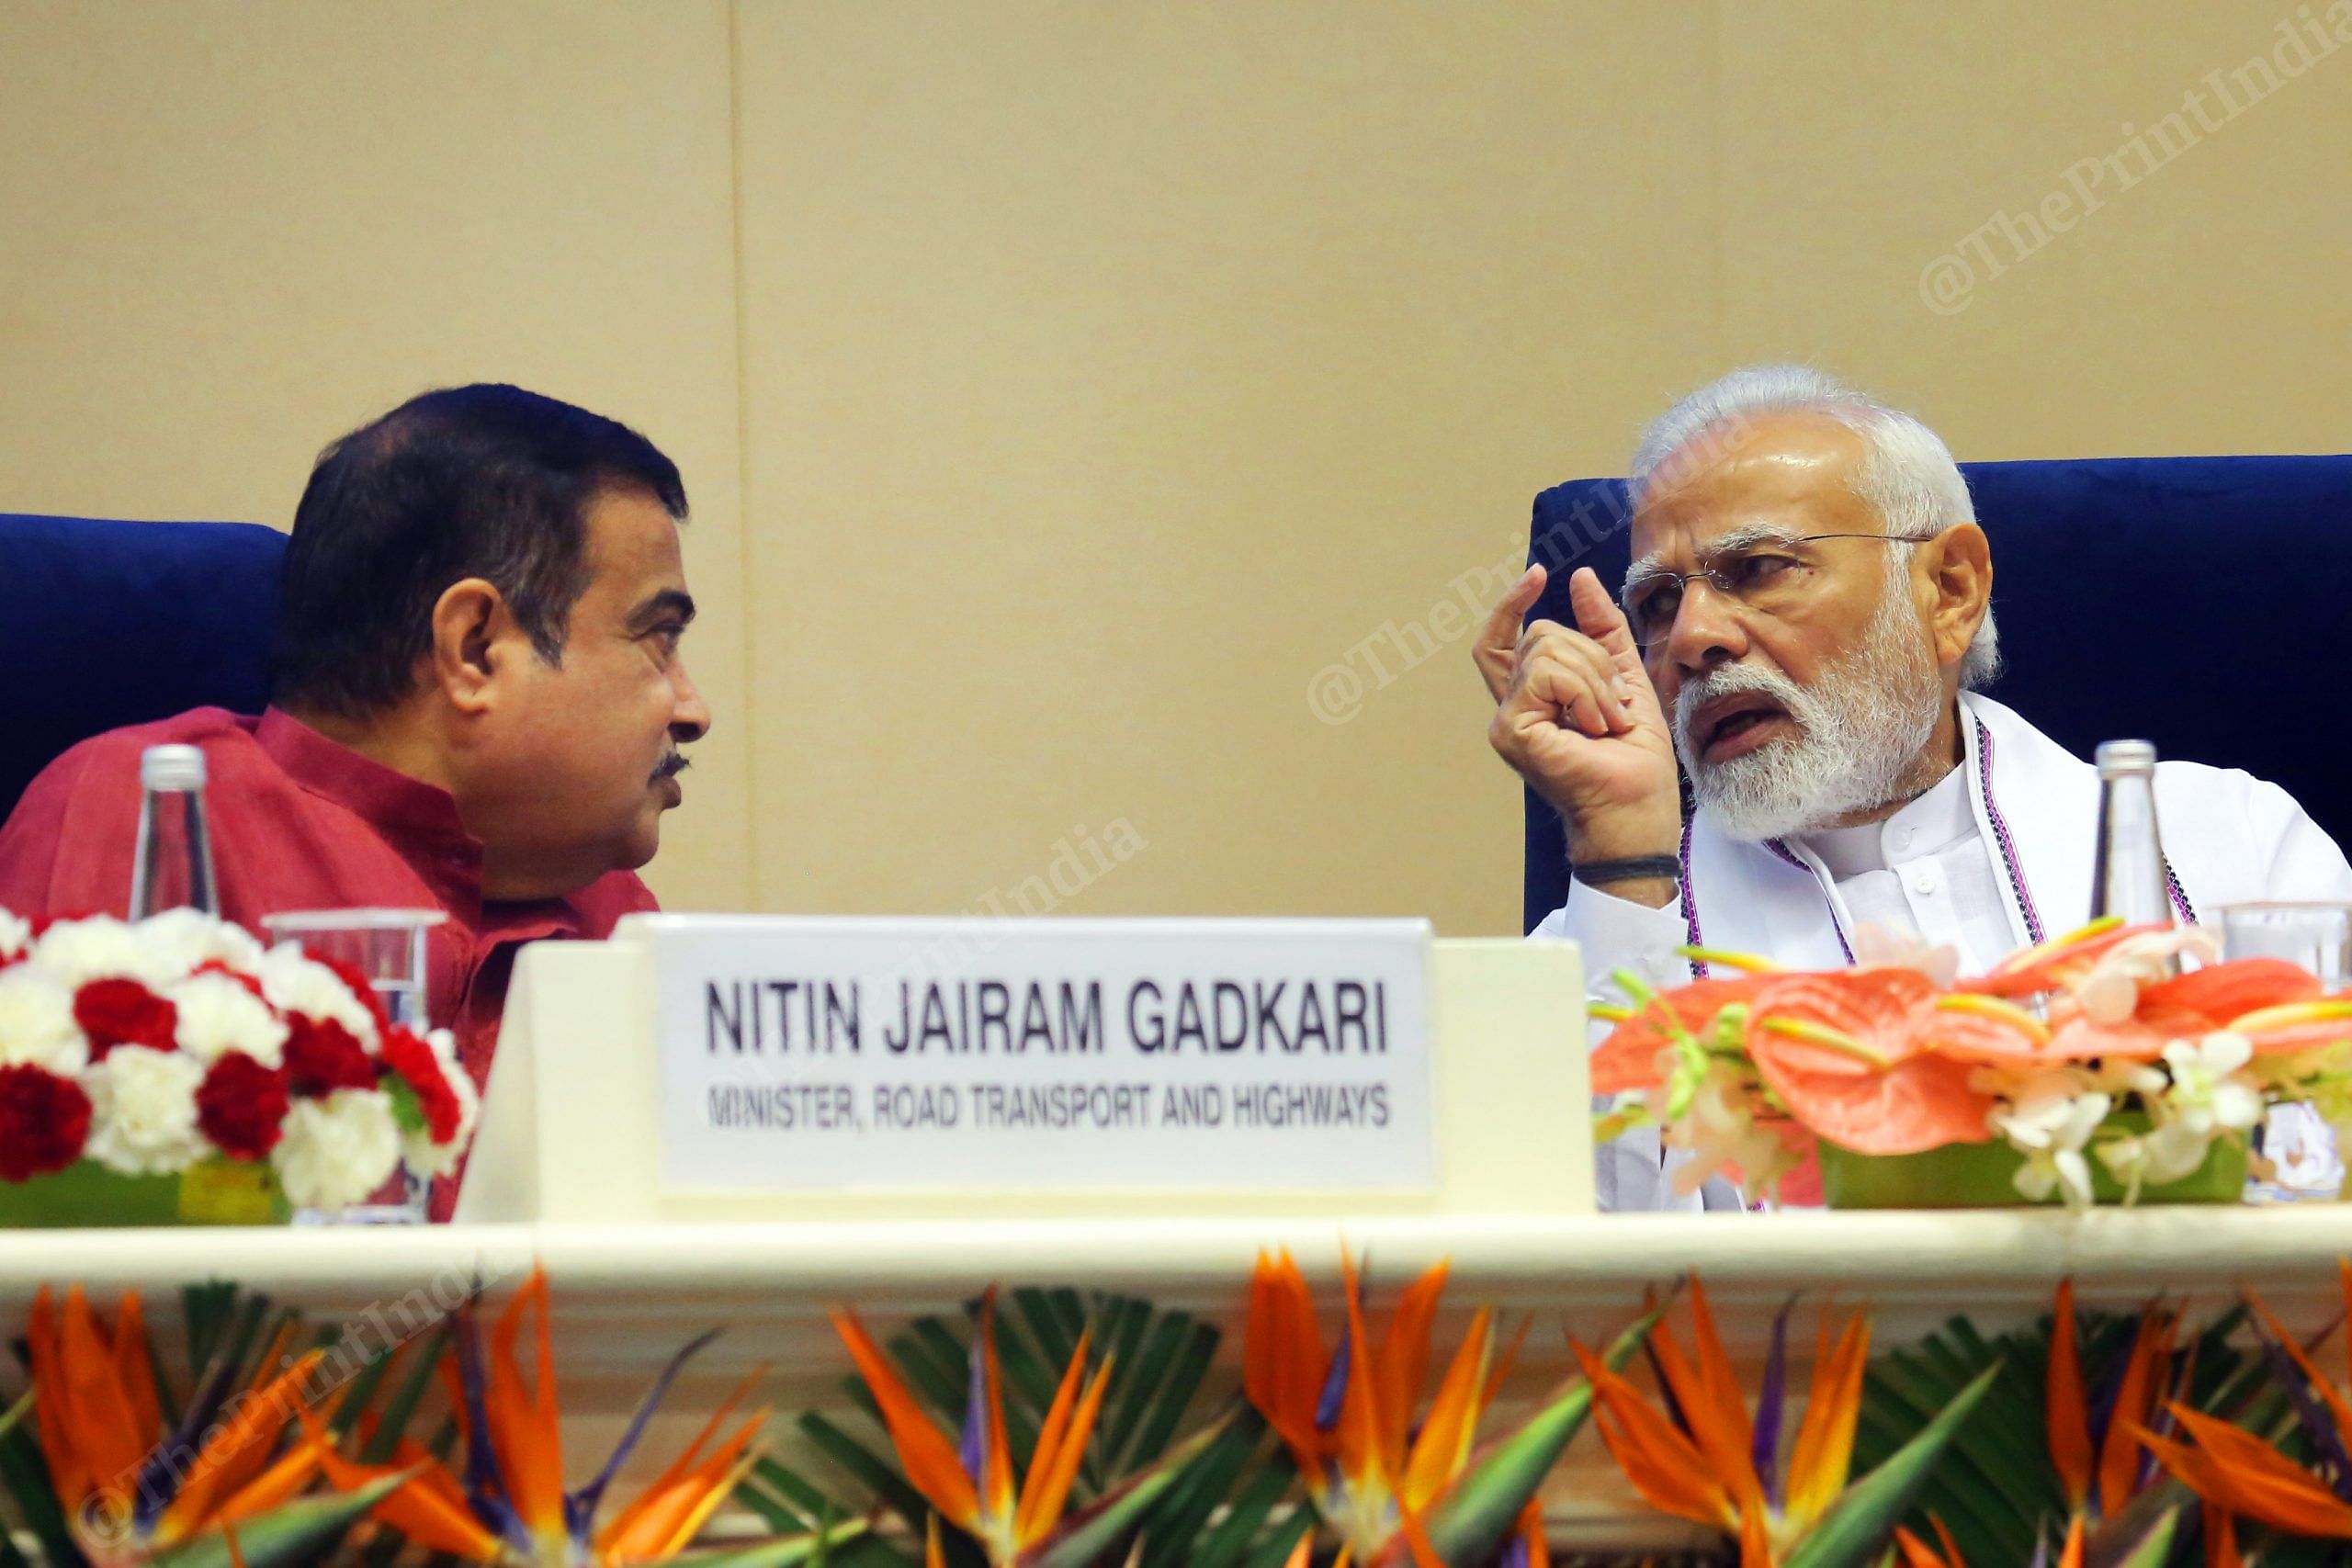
1814 688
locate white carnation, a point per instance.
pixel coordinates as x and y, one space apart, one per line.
218 1014
142 1111
423 1155
296 984
15 936
188 941
74 952
36 1027
337 1151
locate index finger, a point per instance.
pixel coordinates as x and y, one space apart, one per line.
1501 632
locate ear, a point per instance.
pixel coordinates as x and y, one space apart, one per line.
1961 574
471 624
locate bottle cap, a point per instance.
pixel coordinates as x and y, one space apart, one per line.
2117 759
170 767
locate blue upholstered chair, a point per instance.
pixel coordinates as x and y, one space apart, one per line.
105 624
2200 602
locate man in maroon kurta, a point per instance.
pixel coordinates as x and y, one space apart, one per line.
298 822
479 702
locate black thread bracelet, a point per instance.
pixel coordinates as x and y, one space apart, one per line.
1641 868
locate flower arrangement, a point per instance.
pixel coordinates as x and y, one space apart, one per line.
148 1049
2089 1438
1388 1488
2130 1047
128 1486
1704 1455
506 1503
274 1458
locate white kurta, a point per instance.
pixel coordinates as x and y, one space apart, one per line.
2030 829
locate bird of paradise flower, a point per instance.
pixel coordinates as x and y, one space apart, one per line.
2238 1475
970 1482
1704 1457
131 1491
508 1504
1391 1492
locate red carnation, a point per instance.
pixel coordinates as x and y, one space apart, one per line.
214 966
356 982
416 1064
44 1120
240 1106
124 1012
321 1056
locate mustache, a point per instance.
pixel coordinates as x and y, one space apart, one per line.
1730 680
673 765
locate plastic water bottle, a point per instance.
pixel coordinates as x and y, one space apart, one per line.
173 869
2129 877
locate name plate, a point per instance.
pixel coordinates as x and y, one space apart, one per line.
1053 1055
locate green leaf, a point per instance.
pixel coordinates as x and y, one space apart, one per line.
400 1409
874 1473
1856 1527
300 1529
782 1553
803 1495
26 1474
1174 1396
9 1556
2129 1542
1056 1342
1477 1513
1277 1547
1223 1546
1171 1535
360 1391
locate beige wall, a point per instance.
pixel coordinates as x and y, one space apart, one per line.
1062 386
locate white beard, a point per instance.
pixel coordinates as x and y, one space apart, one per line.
1860 728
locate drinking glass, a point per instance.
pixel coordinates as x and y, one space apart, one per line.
2317 937
386 947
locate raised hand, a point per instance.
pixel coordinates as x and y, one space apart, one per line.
1577 718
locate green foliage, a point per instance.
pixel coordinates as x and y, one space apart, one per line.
1471 1521
1856 1527
1997 1489
1219 1501
228 1335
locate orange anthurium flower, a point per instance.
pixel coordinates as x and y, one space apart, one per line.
1969 1027
2220 992
980 1498
2296 1026
1844 1053
509 1506
1627 1060
2055 961
99 1426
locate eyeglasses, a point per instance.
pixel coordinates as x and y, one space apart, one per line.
1771 577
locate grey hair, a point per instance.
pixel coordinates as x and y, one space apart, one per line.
1907 475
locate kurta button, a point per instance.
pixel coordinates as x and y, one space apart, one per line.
1926 882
